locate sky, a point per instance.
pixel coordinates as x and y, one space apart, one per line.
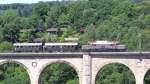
22 1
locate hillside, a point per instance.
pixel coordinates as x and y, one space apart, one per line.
127 21
124 20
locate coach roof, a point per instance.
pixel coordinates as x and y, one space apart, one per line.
27 44
58 44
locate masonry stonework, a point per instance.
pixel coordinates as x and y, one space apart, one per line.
87 65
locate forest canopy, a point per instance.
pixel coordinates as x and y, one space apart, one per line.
127 21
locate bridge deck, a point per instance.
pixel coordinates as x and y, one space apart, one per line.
33 54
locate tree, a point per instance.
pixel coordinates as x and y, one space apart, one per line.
25 35
52 17
63 20
41 10
115 74
145 38
59 73
5 46
90 32
13 73
9 27
89 16
1 35
147 77
73 81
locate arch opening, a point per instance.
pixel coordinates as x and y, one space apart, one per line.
59 73
13 72
147 77
115 73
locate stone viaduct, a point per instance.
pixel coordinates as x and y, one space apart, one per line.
86 64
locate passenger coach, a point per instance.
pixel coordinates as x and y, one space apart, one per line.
27 47
64 47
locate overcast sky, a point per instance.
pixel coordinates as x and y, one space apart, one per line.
22 1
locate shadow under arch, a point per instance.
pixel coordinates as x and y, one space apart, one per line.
146 79
59 62
115 64
20 64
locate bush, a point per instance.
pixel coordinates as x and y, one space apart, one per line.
5 46
73 81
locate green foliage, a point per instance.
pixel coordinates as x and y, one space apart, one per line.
63 20
41 10
69 32
73 81
25 35
127 21
90 32
121 20
115 74
58 73
61 39
147 77
49 38
145 39
13 73
5 46
8 26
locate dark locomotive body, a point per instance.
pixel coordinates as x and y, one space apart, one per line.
98 46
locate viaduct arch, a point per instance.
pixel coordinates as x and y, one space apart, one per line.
60 61
86 64
107 63
112 63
